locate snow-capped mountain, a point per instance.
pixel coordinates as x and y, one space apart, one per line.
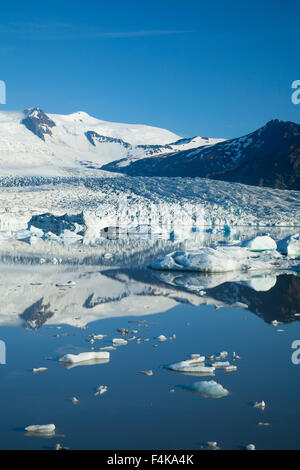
269 156
33 142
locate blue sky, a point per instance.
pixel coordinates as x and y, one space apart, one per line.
211 68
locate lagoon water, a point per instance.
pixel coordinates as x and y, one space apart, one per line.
41 319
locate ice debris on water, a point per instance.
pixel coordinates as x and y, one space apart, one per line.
260 404
98 336
119 341
192 366
161 338
100 390
222 355
275 322
250 447
60 447
208 389
84 357
74 400
213 445
219 364
146 372
41 428
39 369
235 356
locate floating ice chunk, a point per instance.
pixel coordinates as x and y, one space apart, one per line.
208 389
260 404
260 243
161 338
220 364
222 355
146 372
229 368
275 322
192 366
213 445
235 356
41 429
290 245
107 348
119 341
100 390
209 260
86 357
39 369
60 447
99 336
263 424
75 400
250 447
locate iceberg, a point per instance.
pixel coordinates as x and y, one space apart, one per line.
290 245
206 260
260 243
85 357
208 389
46 429
192 366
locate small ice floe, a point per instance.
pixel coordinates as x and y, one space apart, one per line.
161 338
42 429
192 366
119 341
202 292
275 322
39 369
66 284
213 445
100 390
60 447
260 405
261 423
146 372
75 401
222 355
225 365
220 364
132 338
107 348
208 389
235 356
260 243
250 447
85 358
280 330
